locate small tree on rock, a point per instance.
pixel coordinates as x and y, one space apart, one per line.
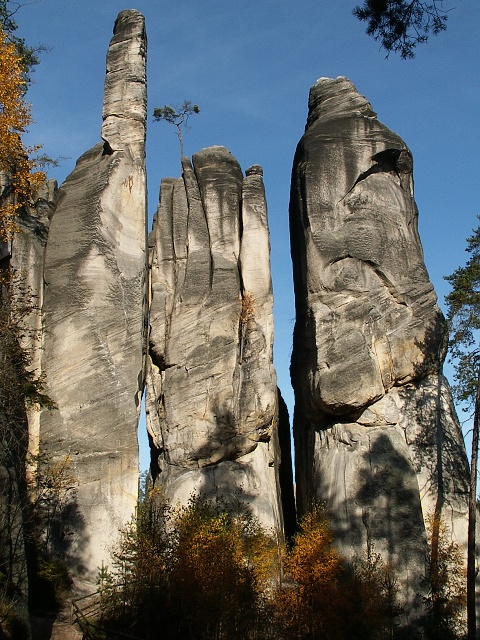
178 115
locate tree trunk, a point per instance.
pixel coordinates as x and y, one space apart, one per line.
472 512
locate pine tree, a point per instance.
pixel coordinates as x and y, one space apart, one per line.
400 25
464 317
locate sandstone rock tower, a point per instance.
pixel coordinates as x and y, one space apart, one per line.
95 266
212 406
375 430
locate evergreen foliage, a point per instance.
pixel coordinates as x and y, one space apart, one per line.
400 25
28 55
178 115
463 303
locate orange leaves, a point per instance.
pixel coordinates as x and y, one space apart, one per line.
248 308
308 606
313 560
14 118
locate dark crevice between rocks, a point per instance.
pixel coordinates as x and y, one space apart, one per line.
285 469
107 149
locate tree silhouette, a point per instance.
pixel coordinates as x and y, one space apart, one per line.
400 25
178 115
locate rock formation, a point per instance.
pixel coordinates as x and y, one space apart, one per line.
212 406
27 260
94 315
376 434
21 292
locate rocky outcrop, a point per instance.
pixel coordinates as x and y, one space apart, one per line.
212 407
375 430
95 268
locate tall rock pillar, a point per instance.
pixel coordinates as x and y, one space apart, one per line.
376 433
95 271
212 407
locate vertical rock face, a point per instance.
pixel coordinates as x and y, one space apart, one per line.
375 430
27 260
21 265
212 408
95 268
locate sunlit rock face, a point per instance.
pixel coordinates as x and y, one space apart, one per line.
95 272
375 429
212 407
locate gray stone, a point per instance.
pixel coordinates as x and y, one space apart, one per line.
212 408
376 434
22 256
362 287
95 268
27 260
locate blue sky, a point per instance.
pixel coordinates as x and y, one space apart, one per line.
249 65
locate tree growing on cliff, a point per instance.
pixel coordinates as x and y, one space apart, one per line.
178 115
401 25
463 303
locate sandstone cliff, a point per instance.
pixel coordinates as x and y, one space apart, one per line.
212 407
95 267
21 292
376 433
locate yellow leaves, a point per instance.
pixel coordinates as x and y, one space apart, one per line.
14 118
202 568
313 559
307 607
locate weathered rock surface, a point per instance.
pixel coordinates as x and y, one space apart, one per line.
21 264
212 407
375 430
95 271
27 260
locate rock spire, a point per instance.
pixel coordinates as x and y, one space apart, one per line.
95 267
212 403
376 434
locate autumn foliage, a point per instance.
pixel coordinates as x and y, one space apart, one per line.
446 599
17 171
200 571
307 605
210 571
